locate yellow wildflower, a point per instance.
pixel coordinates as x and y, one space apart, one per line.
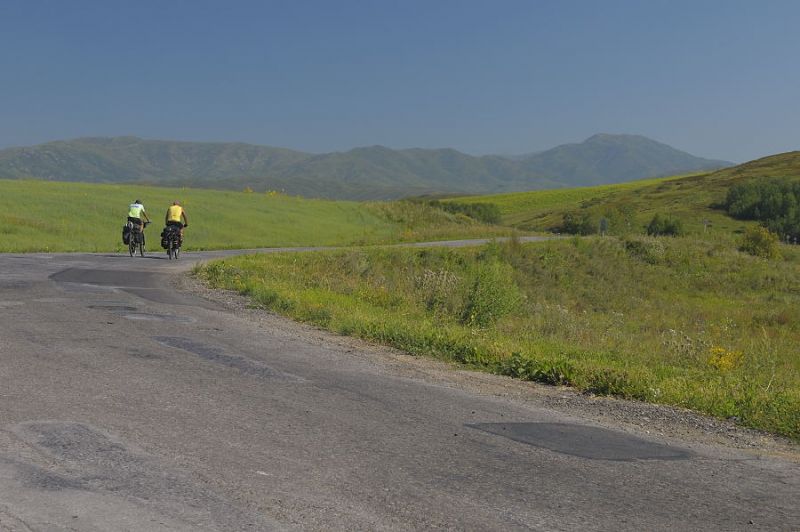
723 359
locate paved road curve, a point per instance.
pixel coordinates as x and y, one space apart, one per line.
128 405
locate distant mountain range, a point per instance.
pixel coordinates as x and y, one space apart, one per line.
374 172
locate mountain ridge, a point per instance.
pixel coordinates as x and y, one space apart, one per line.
367 172
606 158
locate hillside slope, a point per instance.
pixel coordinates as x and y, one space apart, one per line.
691 198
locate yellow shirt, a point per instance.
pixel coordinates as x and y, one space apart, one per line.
174 213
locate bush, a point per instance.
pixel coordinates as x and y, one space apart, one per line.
645 249
760 242
557 372
492 295
663 226
578 224
775 202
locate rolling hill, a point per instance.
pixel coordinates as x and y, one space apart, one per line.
692 198
374 172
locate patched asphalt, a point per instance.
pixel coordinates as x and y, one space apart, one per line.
127 405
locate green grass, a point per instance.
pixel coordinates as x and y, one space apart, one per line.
692 199
679 321
517 208
54 216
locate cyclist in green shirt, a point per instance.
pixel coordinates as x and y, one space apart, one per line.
136 215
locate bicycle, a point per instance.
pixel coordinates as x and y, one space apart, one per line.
136 238
171 241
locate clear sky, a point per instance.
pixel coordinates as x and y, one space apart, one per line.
719 79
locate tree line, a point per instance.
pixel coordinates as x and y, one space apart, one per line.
773 202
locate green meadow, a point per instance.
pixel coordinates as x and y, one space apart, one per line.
519 208
56 216
679 321
694 199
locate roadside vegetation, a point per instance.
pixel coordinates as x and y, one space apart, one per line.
678 321
55 216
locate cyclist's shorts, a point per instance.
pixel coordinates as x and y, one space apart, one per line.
135 221
176 224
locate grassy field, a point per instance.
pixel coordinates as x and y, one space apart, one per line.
55 216
519 208
690 198
680 321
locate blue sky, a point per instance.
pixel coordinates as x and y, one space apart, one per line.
719 79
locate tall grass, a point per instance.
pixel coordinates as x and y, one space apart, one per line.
676 321
418 222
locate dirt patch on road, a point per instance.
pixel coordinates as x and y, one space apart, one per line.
685 426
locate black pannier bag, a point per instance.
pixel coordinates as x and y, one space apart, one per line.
170 232
137 234
126 235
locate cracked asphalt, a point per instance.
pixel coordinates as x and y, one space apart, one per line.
127 403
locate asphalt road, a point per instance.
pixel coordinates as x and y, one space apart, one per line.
126 404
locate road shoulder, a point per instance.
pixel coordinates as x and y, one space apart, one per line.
656 421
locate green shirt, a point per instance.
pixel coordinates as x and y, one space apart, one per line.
135 210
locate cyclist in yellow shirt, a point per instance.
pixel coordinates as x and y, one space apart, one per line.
175 214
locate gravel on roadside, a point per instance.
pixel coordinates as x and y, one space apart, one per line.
679 424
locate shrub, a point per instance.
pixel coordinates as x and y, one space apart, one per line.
775 202
557 372
663 226
760 242
578 224
492 295
649 250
